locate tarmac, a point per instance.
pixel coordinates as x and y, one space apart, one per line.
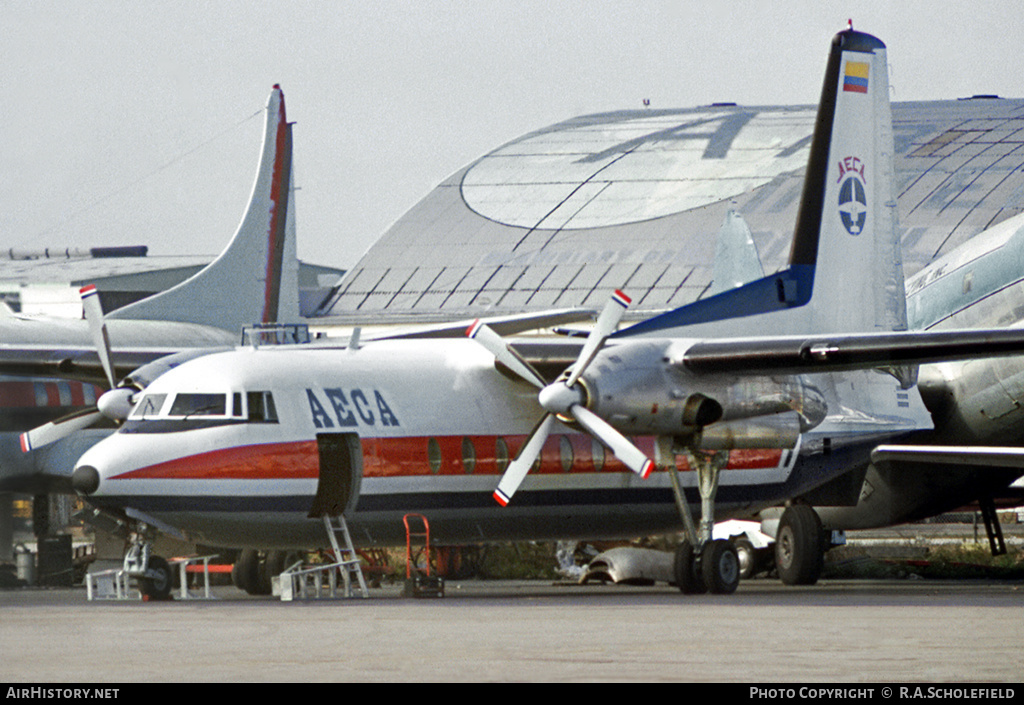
893 626
838 631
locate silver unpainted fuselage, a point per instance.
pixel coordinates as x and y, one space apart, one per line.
975 402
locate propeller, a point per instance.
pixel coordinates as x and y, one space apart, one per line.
564 398
114 404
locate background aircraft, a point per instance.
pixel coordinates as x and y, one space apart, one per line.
263 452
253 280
975 451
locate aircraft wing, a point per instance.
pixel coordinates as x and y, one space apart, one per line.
502 325
831 353
1002 457
78 363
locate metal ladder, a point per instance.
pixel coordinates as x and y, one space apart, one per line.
347 558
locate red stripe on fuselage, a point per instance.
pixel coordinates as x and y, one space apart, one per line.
411 457
270 461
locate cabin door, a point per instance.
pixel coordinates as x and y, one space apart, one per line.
341 472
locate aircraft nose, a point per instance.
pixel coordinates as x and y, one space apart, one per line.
85 479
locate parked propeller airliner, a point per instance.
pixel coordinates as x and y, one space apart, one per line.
536 438
253 280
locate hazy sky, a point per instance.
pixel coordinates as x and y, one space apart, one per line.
136 122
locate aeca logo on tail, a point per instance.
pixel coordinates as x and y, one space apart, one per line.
853 200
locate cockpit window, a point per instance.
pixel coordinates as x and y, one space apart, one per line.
199 405
150 405
261 407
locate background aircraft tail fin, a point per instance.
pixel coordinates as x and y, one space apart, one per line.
736 258
845 272
255 278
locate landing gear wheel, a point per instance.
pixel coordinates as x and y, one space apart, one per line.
720 567
273 565
799 549
748 558
685 567
157 587
264 574
245 573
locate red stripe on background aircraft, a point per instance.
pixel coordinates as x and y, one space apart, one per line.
253 279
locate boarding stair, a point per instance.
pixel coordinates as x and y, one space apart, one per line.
298 582
347 559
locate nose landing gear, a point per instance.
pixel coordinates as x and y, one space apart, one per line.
153 573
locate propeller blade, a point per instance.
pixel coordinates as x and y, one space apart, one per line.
606 324
494 343
55 430
97 328
518 468
624 450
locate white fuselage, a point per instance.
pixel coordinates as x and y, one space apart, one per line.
240 461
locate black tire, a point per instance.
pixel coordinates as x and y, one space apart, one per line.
799 550
685 568
273 565
159 586
245 572
748 558
263 575
720 567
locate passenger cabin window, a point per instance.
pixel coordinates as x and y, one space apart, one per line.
189 405
150 405
261 407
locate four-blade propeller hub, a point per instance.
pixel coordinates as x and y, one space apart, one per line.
559 398
564 399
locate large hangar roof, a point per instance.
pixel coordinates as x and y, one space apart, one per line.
562 216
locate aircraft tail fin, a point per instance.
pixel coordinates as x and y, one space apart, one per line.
736 258
845 271
255 278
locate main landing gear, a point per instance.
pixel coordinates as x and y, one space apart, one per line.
254 571
701 563
800 545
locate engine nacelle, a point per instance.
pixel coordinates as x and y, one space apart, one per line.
778 431
638 389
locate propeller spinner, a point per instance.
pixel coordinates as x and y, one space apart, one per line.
564 397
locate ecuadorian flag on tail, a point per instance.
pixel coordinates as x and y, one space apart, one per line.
855 79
